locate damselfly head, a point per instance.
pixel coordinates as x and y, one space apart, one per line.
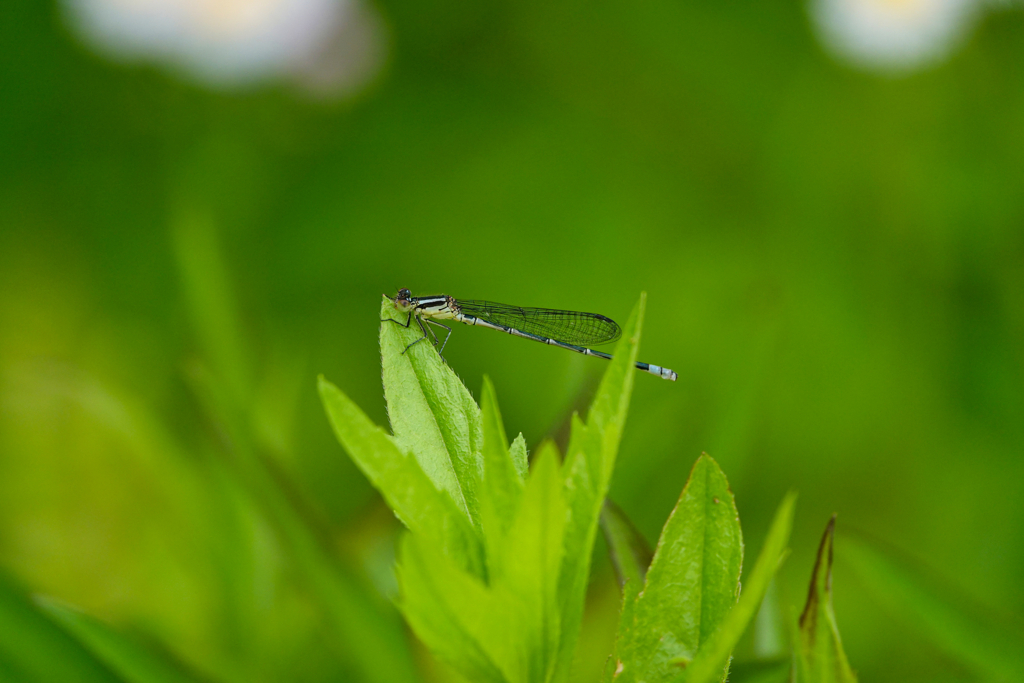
403 301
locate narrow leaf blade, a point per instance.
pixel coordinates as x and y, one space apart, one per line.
502 487
631 556
208 290
587 468
630 553
122 654
33 648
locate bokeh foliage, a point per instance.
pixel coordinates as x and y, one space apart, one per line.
835 264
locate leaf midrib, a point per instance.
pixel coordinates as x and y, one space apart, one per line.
464 504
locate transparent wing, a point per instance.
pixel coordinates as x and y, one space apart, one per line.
570 327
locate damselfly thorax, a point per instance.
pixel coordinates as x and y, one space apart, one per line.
439 307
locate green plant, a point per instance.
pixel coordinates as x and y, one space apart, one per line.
496 561
494 568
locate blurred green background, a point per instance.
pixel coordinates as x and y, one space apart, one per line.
834 262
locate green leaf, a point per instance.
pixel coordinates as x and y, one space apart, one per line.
963 630
820 656
399 478
509 629
34 649
432 414
518 451
519 620
713 655
502 486
122 654
529 568
692 583
451 611
587 469
630 553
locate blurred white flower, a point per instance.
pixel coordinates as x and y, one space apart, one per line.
329 44
893 35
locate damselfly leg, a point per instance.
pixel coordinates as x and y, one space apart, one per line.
408 321
440 350
392 320
420 320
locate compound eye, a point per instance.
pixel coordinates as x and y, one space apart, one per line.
404 293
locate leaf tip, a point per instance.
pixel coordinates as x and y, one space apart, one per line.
822 573
487 390
324 386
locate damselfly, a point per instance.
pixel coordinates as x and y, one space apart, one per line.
573 330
